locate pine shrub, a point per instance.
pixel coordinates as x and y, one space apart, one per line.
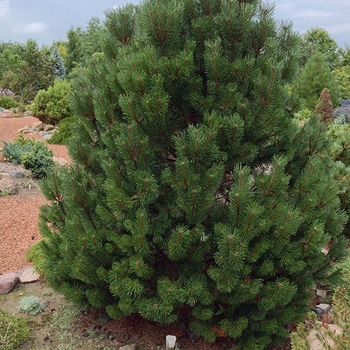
193 195
64 132
52 105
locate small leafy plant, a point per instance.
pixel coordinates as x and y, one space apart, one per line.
13 331
7 102
38 159
31 305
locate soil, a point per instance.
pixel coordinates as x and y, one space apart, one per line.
61 326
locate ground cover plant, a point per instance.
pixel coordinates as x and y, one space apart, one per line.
33 155
193 194
13 331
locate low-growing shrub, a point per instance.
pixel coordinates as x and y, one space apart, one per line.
64 131
38 159
13 331
52 105
31 305
7 102
13 151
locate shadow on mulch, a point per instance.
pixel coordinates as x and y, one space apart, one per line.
136 330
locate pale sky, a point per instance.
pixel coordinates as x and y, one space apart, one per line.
49 20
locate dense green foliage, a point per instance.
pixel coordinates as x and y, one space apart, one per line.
318 40
64 132
13 150
343 75
29 72
38 159
193 194
7 102
33 155
52 105
313 78
13 331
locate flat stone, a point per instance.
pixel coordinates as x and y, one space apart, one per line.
321 293
317 311
49 127
128 347
8 282
16 174
7 185
29 275
324 307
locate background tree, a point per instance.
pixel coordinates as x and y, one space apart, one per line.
192 193
10 56
313 78
318 40
74 50
60 69
35 72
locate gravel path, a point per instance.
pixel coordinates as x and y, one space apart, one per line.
19 212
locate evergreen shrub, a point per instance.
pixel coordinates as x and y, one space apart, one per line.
52 105
13 151
193 195
64 132
38 159
7 102
312 79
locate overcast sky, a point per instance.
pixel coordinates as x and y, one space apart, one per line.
49 20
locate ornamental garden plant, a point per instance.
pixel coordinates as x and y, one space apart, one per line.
193 195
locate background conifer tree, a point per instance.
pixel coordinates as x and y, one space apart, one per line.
59 64
313 78
193 195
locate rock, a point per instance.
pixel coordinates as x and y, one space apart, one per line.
29 275
38 126
323 307
315 335
24 128
8 282
47 136
128 347
7 186
16 174
321 293
317 311
48 127
2 157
